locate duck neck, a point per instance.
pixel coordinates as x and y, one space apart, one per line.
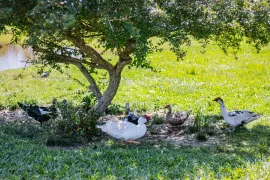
169 112
223 109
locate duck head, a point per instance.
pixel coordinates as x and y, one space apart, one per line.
25 107
218 100
142 120
148 118
168 106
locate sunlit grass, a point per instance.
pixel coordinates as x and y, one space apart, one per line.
191 83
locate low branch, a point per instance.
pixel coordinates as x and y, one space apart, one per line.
93 86
91 52
58 58
129 48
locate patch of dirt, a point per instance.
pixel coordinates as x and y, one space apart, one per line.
178 136
18 115
181 137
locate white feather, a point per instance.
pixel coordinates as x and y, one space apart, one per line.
125 130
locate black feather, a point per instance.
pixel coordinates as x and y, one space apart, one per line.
36 112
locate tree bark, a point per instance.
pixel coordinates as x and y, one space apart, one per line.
115 78
110 92
93 86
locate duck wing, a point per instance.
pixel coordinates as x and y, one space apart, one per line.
118 130
117 126
244 116
181 116
44 110
176 119
132 117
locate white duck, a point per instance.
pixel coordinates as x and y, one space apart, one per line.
125 130
236 118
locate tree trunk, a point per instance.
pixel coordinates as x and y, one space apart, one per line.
110 92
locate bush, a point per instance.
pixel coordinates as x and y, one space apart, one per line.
73 125
115 109
157 119
89 99
203 126
200 123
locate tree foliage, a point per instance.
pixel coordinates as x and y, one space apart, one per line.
63 31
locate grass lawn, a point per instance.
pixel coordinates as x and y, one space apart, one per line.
21 158
193 83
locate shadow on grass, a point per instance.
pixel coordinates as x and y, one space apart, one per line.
252 137
148 160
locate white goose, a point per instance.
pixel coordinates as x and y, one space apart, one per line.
236 118
125 130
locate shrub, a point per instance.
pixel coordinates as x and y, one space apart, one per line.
203 125
115 109
73 125
200 123
157 119
141 107
89 99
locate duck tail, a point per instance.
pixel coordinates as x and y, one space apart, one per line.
258 116
255 117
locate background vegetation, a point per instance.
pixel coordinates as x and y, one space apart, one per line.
242 81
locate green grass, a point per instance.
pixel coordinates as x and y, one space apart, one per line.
24 159
243 83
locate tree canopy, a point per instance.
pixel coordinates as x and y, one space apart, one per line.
63 31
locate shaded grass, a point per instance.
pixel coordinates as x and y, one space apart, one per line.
23 159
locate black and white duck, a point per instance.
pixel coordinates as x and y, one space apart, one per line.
39 113
236 118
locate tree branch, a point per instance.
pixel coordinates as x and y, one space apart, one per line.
93 86
58 58
124 56
77 62
91 52
91 36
